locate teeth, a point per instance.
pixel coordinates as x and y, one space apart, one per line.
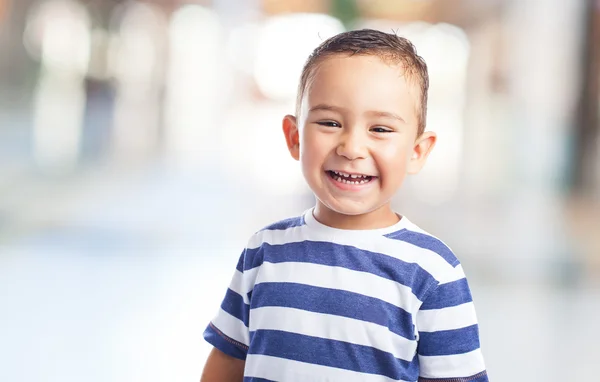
363 181
353 176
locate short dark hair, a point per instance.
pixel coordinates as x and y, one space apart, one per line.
387 46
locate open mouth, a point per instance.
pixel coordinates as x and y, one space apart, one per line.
346 178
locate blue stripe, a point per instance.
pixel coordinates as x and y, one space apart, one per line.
447 295
240 264
234 304
448 342
337 255
254 379
220 341
481 378
285 224
253 257
335 302
425 241
326 352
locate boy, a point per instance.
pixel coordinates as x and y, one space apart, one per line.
350 290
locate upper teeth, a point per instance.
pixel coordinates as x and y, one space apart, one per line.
349 175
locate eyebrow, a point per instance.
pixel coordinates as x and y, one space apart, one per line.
339 109
385 114
326 107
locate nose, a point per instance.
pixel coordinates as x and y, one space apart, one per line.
352 145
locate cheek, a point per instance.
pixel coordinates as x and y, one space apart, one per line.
394 154
311 152
392 160
313 146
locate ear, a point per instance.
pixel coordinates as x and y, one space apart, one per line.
421 150
292 138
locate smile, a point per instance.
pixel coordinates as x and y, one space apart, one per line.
350 179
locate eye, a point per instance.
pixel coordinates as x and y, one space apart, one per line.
329 123
379 129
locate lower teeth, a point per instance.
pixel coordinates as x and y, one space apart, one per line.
342 180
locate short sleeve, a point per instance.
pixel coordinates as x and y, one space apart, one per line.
228 331
449 346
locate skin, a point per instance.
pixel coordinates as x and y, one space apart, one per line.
221 367
358 116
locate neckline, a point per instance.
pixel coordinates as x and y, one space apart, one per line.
314 224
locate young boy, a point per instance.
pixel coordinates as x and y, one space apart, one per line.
350 290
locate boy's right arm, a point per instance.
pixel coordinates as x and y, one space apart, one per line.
221 367
228 332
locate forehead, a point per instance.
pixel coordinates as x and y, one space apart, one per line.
362 82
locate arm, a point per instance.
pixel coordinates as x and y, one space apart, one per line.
221 367
228 332
449 347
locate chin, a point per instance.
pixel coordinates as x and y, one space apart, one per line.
349 208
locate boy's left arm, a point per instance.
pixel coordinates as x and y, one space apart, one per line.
449 348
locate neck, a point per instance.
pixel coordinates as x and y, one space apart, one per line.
380 218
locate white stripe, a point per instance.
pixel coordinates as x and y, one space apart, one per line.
274 237
324 276
237 285
452 366
455 317
250 279
231 327
459 273
281 369
243 283
430 261
332 327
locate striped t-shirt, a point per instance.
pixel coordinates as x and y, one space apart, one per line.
310 302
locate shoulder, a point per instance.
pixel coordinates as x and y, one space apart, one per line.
419 238
284 224
438 260
279 232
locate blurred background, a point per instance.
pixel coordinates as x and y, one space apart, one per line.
140 147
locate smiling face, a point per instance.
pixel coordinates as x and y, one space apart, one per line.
356 139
